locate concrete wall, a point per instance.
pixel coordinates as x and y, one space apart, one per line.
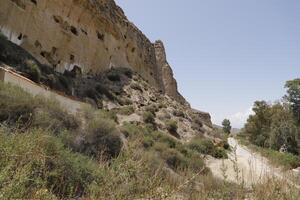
71 105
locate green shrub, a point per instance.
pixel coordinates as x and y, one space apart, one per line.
148 142
91 93
162 137
66 82
149 118
196 163
103 90
16 106
107 114
174 159
102 140
50 116
287 160
226 145
203 146
220 153
33 71
152 109
20 109
206 146
172 126
132 131
51 80
114 76
36 165
126 110
128 72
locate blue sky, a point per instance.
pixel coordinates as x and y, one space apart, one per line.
225 54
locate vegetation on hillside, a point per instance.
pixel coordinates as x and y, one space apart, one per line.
226 126
276 126
47 153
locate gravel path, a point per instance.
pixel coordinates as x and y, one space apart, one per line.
245 166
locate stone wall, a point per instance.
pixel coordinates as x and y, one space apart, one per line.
71 105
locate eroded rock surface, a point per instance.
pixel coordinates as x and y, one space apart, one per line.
86 37
165 73
93 35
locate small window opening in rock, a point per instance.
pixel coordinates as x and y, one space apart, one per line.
100 36
43 54
20 36
72 57
125 36
34 2
56 19
74 30
151 74
106 49
133 50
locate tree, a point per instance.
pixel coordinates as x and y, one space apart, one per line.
258 125
293 97
226 126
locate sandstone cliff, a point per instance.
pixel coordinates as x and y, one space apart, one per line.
90 35
165 72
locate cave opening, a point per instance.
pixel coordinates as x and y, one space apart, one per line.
34 2
100 36
74 30
20 36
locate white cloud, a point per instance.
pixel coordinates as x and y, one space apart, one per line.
240 118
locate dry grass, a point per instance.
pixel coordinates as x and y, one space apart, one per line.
37 164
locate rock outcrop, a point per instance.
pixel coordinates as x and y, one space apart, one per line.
92 35
165 73
86 36
203 116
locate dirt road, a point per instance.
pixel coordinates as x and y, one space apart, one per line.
245 166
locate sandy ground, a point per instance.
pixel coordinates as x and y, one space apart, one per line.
245 166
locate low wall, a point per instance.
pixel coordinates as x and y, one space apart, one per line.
2 74
31 87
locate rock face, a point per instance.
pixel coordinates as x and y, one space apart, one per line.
169 84
203 116
88 36
92 35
